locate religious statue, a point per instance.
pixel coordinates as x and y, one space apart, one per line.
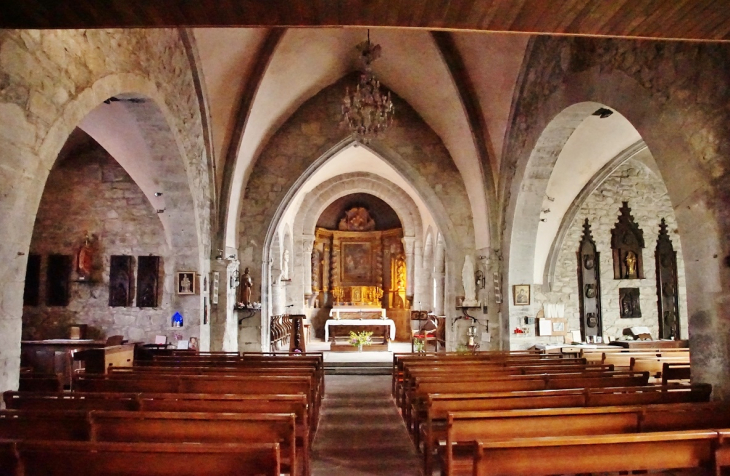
630 264
285 266
85 259
469 282
247 284
185 284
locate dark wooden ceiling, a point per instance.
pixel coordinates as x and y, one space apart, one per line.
661 19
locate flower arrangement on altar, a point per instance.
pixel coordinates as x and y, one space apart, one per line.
359 339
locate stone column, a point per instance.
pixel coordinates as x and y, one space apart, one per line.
408 246
307 245
230 331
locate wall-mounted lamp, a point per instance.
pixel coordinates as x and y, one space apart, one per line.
219 257
158 194
160 210
602 113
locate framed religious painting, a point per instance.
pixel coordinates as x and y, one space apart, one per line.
185 282
357 266
521 294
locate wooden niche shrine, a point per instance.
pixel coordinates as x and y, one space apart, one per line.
589 284
667 285
627 241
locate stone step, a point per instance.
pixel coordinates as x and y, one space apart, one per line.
358 368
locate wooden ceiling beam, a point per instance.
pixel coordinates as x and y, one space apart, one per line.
702 20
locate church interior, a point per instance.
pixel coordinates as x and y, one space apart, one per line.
516 174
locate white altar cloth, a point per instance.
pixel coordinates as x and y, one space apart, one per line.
335 311
358 322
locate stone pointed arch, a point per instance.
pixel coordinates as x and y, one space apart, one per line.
681 133
327 192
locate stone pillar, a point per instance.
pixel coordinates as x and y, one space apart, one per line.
307 245
439 275
408 246
230 332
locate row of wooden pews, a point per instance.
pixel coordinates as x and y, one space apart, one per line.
246 414
471 414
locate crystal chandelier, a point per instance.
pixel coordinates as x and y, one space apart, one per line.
367 111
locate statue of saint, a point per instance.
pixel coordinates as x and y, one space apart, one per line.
285 266
469 281
630 265
247 284
85 259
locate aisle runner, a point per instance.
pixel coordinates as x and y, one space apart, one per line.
360 432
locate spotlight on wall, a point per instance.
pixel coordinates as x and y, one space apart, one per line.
160 210
603 113
158 194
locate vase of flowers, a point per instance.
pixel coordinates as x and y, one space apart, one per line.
359 339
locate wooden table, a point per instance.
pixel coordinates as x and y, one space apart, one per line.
651 344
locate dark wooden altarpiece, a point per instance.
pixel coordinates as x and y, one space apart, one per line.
148 276
58 275
627 241
666 285
120 281
589 283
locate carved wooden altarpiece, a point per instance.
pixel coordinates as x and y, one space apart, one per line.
666 285
148 276
589 284
627 241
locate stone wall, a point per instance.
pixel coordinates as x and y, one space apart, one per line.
91 193
313 131
49 81
647 196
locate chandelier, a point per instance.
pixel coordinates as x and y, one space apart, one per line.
367 111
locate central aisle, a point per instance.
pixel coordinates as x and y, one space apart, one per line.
360 432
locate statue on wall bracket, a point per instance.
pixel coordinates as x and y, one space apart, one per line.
627 241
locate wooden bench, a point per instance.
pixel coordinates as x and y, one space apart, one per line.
655 365
595 453
673 372
44 425
83 458
465 427
433 427
194 427
70 401
413 405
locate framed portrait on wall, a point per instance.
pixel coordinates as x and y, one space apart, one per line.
521 294
185 282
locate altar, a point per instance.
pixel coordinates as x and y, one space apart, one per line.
379 323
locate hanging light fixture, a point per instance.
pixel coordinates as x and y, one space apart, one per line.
367 111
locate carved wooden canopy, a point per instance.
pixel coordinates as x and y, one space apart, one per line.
356 219
627 241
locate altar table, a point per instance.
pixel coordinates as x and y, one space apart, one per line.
358 322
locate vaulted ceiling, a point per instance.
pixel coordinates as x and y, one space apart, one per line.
461 82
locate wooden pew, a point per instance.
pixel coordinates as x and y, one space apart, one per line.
193 427
465 427
8 458
655 365
413 406
35 382
672 373
433 427
44 425
82 458
595 453
70 401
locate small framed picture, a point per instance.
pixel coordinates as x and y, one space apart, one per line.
186 282
521 294
598 340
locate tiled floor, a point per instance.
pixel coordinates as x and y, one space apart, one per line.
360 431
